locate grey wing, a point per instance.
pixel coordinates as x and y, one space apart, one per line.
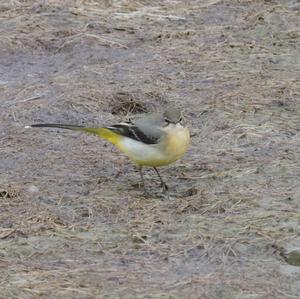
151 125
138 131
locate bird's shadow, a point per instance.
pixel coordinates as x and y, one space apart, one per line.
154 190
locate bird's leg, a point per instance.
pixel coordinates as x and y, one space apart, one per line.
142 178
163 184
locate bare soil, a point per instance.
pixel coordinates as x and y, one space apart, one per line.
73 221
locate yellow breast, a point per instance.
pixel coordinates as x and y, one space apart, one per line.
176 143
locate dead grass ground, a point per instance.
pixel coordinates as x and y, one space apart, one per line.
73 223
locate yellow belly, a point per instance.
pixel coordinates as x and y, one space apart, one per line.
172 148
168 151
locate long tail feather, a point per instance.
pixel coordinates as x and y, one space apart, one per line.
103 132
61 126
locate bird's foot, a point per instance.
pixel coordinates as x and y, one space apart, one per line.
165 193
164 187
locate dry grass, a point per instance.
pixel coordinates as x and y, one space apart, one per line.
73 222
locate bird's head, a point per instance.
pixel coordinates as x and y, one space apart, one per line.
173 116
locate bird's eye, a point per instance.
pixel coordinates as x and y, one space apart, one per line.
167 121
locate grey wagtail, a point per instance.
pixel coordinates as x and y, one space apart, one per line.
154 140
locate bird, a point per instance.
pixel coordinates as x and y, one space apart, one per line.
151 139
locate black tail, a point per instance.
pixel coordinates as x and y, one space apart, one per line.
61 126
